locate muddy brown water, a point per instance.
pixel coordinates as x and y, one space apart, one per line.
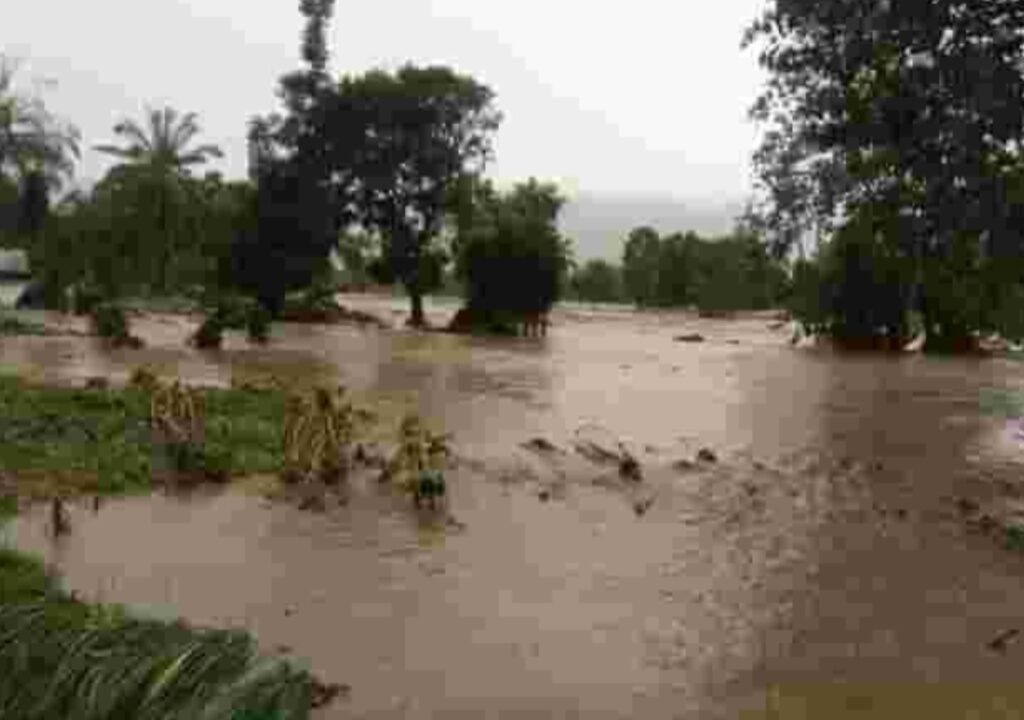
823 547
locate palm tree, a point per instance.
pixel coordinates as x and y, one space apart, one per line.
32 139
157 157
163 143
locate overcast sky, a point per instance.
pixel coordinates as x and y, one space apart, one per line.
638 98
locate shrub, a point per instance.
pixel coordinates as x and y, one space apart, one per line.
257 323
110 322
417 467
318 435
210 334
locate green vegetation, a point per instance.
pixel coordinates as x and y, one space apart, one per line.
417 466
597 281
512 261
893 144
318 435
62 439
55 653
716 275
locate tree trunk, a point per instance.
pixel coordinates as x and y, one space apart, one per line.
417 319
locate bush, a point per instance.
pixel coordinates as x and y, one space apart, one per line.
513 261
318 435
210 335
85 299
111 323
257 323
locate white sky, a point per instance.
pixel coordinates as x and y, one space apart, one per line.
638 98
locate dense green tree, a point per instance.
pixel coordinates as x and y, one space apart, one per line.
513 262
640 259
301 163
597 281
907 111
422 131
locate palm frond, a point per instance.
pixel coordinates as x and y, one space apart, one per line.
182 134
134 134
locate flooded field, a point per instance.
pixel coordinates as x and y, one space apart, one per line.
824 543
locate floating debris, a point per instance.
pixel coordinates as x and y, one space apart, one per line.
60 519
707 455
690 338
1001 642
640 507
541 445
323 694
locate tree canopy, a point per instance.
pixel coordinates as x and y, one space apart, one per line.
734 272
899 124
512 260
421 130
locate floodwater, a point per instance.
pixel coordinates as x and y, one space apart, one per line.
823 547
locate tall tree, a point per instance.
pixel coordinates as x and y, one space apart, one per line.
422 131
299 166
32 139
909 111
513 261
156 161
640 259
597 280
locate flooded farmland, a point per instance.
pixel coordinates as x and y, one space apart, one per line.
819 541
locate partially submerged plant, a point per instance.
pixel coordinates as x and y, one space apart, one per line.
257 323
143 378
110 322
417 466
318 434
177 415
210 334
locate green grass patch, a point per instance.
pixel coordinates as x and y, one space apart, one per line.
99 441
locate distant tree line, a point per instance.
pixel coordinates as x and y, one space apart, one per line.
724 274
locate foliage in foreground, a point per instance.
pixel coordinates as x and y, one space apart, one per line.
62 659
